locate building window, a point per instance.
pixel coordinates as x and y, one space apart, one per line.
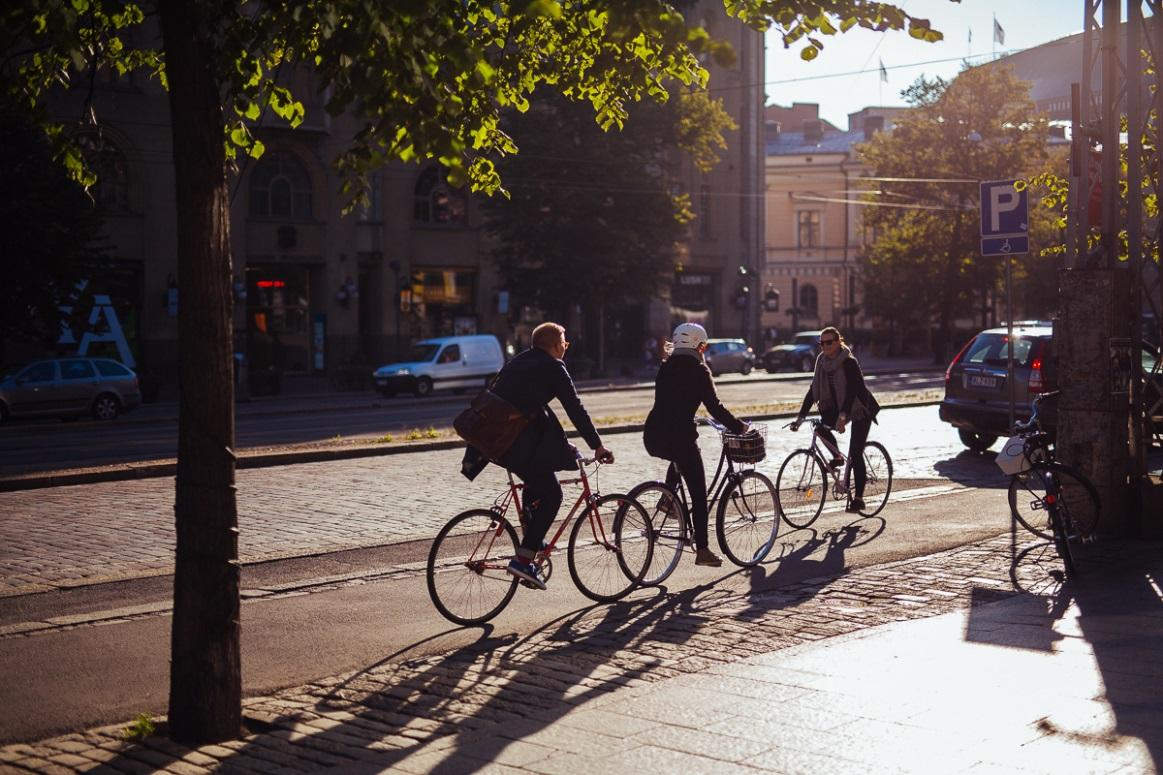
280 188
371 211
111 191
809 301
704 211
435 201
808 228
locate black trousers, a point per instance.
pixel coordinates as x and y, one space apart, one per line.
859 435
542 502
690 464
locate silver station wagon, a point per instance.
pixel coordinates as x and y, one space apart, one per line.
68 388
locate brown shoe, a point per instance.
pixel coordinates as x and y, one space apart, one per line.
707 557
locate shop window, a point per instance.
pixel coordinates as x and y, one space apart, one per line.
809 301
280 188
435 201
108 163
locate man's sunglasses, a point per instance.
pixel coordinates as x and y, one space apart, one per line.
826 342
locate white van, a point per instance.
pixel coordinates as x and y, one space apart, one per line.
447 362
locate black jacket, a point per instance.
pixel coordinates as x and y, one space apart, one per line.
683 384
529 382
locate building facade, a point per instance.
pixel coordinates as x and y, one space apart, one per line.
318 292
814 232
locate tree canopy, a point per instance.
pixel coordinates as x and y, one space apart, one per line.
923 264
592 218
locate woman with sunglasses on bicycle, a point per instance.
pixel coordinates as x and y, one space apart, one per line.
838 386
683 384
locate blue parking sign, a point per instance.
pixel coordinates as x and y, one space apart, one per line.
1005 221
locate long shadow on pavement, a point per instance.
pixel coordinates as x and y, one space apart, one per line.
1102 628
456 711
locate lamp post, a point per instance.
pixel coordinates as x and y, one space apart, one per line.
395 267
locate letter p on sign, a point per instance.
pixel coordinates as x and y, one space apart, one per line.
1001 200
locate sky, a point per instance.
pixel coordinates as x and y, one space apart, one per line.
845 77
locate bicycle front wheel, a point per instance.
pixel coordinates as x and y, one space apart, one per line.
878 481
668 525
1078 503
610 548
467 577
800 488
748 519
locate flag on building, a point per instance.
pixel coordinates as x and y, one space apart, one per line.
883 72
999 35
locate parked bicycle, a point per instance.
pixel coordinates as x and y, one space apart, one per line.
609 551
802 484
743 500
1050 499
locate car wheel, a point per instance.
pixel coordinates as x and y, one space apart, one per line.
106 407
807 364
978 442
746 368
423 387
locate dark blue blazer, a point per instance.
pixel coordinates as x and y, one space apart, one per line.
529 382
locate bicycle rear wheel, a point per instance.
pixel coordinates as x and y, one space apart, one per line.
610 548
467 577
878 482
800 488
668 525
1078 501
748 519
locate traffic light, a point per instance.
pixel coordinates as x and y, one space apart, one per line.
741 297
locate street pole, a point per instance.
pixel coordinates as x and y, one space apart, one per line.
395 267
1010 335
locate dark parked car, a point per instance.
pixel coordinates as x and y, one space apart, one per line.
798 355
68 388
977 399
724 355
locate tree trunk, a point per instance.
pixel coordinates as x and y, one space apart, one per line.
205 669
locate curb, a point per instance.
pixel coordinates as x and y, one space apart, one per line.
161 469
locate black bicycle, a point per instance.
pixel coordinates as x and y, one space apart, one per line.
1050 499
743 500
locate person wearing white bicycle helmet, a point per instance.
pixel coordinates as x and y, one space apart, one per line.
683 384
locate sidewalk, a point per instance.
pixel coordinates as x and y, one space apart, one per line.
974 659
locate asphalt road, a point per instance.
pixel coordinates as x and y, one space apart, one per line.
150 433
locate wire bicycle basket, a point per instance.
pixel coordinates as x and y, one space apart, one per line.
750 447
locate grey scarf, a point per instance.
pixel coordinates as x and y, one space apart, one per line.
832 369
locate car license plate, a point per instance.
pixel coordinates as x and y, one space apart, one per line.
982 381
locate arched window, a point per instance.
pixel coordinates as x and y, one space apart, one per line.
435 201
280 188
108 163
809 301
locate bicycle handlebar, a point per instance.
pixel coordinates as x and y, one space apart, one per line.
815 423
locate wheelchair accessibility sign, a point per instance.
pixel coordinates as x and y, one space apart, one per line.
1005 222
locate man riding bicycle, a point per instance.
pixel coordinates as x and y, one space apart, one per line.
529 382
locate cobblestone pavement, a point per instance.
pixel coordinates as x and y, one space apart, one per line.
86 534
975 659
